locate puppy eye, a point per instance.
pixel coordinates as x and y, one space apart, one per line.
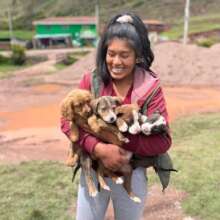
103 109
119 114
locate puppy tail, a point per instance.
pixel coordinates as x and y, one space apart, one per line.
75 170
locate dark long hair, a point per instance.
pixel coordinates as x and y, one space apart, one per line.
135 33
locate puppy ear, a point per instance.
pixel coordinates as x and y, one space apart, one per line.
119 110
67 110
117 100
94 104
135 106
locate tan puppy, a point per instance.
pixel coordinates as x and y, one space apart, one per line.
128 118
104 115
76 103
107 110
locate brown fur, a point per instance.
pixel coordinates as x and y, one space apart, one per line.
74 104
72 109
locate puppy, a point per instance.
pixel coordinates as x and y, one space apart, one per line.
128 118
153 124
75 103
74 106
104 115
106 110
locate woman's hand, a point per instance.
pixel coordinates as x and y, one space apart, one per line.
112 156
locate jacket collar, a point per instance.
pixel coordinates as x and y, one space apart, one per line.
144 83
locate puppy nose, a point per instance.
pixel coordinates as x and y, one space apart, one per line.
112 119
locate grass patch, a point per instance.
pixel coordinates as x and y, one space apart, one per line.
7 67
197 24
70 59
37 190
60 66
21 34
196 153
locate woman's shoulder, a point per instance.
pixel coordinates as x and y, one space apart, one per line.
85 82
145 77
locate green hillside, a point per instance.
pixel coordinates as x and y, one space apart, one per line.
25 11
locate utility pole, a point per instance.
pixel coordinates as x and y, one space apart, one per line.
10 25
186 22
97 16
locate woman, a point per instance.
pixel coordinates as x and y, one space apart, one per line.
123 65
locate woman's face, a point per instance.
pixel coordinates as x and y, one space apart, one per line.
120 59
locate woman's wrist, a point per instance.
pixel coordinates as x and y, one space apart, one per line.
97 150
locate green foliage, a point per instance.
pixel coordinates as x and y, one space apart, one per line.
18 55
205 42
3 59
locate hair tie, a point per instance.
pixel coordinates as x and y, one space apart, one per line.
125 19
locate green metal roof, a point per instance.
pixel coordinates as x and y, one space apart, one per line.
43 36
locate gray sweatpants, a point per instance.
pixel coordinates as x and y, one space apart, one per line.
89 208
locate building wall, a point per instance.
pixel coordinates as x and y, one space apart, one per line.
74 30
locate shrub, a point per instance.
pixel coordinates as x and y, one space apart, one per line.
18 55
205 42
1 59
4 59
69 59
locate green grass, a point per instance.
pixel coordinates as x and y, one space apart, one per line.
7 68
43 190
197 24
196 153
21 34
37 190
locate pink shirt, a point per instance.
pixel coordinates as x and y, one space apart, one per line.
140 144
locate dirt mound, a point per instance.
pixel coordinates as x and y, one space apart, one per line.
177 64
180 64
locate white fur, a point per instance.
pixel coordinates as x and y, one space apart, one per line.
109 116
119 180
123 127
147 127
135 128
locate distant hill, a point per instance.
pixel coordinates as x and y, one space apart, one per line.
25 11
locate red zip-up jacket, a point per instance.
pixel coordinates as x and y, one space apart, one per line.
139 144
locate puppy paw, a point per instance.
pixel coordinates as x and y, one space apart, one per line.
123 127
122 138
135 199
135 129
146 128
106 188
119 180
94 193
